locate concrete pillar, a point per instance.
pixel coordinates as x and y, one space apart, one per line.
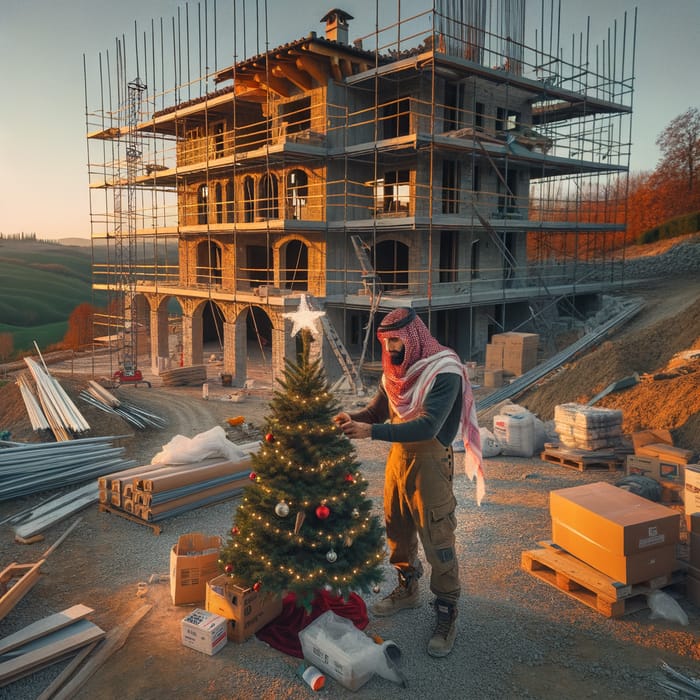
159 337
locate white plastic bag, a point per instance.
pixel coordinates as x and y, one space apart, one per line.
212 443
664 607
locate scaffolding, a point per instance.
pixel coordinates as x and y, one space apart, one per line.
486 175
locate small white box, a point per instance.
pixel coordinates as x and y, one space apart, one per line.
204 631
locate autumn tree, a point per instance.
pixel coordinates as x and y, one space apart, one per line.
80 327
679 143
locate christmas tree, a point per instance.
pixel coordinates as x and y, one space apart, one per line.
304 522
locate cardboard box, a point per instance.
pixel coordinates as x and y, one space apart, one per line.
493 377
519 360
691 492
625 536
494 357
204 631
245 610
644 437
193 562
665 453
644 466
515 338
627 569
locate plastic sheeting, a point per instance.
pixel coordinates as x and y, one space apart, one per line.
212 443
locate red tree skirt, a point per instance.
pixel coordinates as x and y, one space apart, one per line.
283 632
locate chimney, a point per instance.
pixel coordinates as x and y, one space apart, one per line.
337 25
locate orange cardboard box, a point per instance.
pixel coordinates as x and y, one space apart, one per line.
644 437
665 453
245 609
193 561
625 536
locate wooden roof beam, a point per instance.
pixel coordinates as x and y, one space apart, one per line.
281 87
335 68
314 68
293 75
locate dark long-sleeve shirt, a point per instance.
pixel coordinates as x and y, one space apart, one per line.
439 418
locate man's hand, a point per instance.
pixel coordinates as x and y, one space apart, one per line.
351 428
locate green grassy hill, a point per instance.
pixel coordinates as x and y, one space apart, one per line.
40 285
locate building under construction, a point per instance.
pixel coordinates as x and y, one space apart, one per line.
442 162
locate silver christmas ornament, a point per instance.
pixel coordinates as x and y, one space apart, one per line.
282 509
355 513
331 555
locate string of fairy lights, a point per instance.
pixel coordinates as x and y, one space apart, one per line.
262 522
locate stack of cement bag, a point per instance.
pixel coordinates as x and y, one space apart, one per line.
587 427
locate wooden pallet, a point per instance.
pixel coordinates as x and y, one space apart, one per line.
589 586
581 459
128 516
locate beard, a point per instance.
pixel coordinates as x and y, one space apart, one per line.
397 357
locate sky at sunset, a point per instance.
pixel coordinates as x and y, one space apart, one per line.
43 43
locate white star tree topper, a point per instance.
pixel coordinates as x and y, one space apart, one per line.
304 317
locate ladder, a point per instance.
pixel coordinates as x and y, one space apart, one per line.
350 372
368 273
375 290
342 355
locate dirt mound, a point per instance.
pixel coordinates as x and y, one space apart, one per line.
668 395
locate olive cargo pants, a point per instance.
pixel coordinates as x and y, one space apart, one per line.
419 502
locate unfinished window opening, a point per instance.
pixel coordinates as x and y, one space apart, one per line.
508 245
449 255
297 193
475 259
451 185
219 139
202 204
209 263
391 264
296 115
295 274
479 110
396 118
248 200
219 194
392 193
269 207
507 119
507 200
454 99
476 179
258 268
230 204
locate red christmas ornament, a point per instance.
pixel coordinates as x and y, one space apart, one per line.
270 437
252 476
350 478
235 531
322 512
228 568
257 586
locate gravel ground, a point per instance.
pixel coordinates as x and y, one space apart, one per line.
519 637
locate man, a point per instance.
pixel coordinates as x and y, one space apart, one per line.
425 392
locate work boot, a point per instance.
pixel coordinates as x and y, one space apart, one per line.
405 596
443 638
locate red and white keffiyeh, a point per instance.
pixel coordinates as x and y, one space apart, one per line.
408 384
